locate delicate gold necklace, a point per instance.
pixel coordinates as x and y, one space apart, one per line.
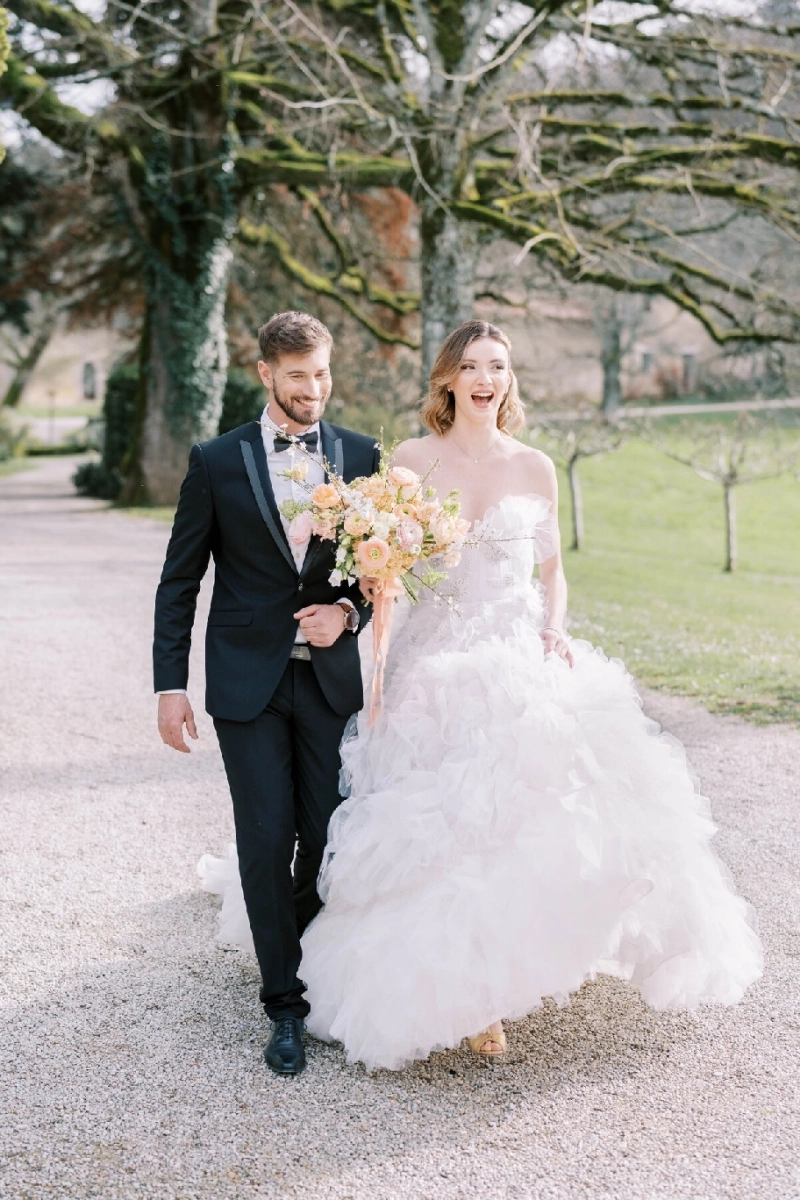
480 456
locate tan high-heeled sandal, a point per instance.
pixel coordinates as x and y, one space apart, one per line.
482 1041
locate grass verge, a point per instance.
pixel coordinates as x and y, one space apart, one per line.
156 513
10 466
649 587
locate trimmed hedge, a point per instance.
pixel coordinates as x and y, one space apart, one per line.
104 479
243 401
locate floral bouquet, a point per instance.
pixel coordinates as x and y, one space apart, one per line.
388 527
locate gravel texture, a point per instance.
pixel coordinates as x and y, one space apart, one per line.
131 1044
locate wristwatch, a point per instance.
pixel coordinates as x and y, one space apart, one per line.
352 618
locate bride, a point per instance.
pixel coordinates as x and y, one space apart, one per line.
515 824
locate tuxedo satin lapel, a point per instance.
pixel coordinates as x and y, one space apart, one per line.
332 450
255 464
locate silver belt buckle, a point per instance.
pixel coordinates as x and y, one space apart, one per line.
301 652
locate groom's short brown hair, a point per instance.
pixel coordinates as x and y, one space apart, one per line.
291 333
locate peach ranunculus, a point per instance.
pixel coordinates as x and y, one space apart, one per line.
326 530
373 554
406 482
325 495
356 525
406 511
300 528
401 477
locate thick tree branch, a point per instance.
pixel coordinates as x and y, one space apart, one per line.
341 289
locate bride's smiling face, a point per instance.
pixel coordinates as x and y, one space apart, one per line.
482 380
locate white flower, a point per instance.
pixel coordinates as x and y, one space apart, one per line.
341 555
297 472
381 527
335 578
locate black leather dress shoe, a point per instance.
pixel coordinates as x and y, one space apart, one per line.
284 1053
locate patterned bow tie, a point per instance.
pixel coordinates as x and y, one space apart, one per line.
282 442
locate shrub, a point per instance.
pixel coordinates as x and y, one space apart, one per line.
119 413
12 438
104 479
93 479
242 401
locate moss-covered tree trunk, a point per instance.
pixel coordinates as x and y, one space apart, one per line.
611 359
448 262
449 247
184 364
183 210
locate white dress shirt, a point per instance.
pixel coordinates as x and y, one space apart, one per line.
289 489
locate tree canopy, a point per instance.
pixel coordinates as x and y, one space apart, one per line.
648 147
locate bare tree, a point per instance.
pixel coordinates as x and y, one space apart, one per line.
617 319
4 52
731 455
588 436
613 179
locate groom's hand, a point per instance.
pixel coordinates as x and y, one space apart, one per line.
321 624
175 711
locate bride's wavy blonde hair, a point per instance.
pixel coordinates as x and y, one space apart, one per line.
439 407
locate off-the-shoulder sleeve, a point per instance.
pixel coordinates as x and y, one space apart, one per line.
543 523
546 538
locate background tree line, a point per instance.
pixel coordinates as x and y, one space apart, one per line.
253 151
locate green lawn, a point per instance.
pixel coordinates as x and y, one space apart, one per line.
649 587
10 466
60 410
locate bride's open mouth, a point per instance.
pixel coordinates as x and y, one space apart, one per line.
482 400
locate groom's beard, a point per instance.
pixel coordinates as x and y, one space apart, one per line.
294 411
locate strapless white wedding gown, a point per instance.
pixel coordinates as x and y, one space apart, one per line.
514 827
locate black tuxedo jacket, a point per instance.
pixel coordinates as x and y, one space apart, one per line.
227 510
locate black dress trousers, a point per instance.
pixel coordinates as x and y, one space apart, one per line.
283 772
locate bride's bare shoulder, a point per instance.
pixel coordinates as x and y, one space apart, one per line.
540 471
416 453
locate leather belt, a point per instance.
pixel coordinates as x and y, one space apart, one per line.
301 651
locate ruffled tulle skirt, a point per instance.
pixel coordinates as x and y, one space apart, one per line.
514 827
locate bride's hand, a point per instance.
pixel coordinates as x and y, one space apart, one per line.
367 586
555 642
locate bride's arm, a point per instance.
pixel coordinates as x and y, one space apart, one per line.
551 571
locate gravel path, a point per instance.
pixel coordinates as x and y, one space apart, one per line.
131 1047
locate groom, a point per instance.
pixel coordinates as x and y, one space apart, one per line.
282 663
